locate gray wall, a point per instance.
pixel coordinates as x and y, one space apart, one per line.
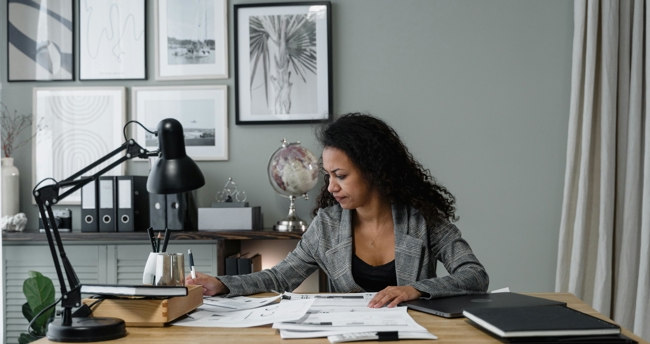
479 90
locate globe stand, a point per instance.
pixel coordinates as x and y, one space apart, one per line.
292 222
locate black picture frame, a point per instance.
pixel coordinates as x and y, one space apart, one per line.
300 91
112 40
38 51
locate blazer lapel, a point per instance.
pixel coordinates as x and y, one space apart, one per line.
340 256
408 249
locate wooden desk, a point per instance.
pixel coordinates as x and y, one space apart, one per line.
448 330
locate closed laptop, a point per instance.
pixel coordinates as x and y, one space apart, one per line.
453 306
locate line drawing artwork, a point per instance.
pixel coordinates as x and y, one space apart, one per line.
40 40
112 39
73 132
282 46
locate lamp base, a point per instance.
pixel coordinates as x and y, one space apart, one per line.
86 330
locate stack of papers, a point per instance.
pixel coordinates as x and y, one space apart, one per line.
340 317
340 314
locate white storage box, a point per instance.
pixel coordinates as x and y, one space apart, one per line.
214 219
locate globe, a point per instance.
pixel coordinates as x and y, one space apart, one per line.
293 171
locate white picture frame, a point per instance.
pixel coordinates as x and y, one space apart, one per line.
112 40
74 127
191 39
40 40
202 110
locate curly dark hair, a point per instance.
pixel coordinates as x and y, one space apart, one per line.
385 162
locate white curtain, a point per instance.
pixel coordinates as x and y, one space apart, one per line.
604 255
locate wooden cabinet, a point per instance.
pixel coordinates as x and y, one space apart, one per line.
111 258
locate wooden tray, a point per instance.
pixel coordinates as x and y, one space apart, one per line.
149 312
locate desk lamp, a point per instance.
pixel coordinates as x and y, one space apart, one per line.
173 172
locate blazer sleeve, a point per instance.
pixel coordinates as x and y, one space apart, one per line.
287 275
466 274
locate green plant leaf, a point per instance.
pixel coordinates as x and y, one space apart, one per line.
39 292
27 312
26 338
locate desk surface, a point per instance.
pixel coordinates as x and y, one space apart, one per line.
448 330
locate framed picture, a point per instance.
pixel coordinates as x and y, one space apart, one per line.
202 110
112 40
40 40
73 128
191 39
283 63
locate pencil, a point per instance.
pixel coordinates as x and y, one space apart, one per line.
158 245
151 239
166 239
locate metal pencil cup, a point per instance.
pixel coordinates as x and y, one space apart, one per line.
170 269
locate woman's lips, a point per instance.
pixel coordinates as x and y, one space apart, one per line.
338 199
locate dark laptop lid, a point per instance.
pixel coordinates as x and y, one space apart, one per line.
452 307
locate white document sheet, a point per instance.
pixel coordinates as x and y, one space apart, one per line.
348 300
383 319
237 303
278 312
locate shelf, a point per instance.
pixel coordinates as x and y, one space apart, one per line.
266 234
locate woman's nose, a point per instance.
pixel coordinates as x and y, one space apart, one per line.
333 186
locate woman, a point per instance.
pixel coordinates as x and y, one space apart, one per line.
381 222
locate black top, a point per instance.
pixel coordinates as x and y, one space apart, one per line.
373 278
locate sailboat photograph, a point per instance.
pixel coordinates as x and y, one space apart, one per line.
190 32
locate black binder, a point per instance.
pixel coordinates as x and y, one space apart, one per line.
231 264
132 203
157 208
249 263
89 209
182 213
540 321
107 197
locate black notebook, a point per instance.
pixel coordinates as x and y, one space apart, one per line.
453 306
133 290
548 321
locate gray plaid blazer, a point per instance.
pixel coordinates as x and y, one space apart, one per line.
327 244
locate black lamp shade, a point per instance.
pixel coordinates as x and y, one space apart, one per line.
174 172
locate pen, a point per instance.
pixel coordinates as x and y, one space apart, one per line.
192 270
151 235
166 240
158 245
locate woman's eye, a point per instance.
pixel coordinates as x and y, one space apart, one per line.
340 177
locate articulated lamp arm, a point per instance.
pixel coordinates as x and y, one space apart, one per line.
48 195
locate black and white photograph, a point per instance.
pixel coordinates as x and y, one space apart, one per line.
74 127
202 110
191 39
40 40
283 58
112 42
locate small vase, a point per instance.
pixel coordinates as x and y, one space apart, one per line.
10 188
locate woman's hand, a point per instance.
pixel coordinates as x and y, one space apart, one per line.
393 296
211 285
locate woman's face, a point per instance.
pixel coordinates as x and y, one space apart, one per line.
346 183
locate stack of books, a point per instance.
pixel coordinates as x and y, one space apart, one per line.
545 324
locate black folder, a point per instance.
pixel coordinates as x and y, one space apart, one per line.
106 198
249 263
89 207
540 321
231 264
132 203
